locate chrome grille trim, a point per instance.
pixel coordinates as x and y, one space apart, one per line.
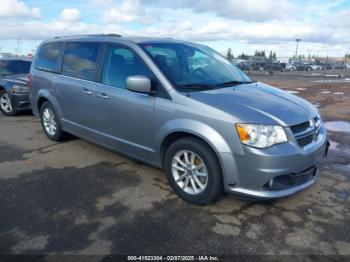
306 134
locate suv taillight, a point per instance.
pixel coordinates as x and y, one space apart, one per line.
29 80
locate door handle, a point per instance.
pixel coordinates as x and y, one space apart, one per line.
86 92
104 96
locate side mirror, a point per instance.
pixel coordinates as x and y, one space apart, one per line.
139 84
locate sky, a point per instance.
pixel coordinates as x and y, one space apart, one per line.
242 25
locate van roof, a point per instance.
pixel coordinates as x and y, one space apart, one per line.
103 37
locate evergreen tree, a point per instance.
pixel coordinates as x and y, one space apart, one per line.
271 55
243 56
260 53
229 54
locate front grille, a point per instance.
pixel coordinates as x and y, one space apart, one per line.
306 132
291 180
300 127
306 140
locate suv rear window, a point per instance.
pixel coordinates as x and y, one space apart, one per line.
13 67
80 60
48 57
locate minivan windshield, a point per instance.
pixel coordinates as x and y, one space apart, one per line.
194 67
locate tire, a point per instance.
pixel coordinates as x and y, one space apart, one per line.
57 134
203 154
7 108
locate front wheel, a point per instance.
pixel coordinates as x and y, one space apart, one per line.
50 122
6 105
193 171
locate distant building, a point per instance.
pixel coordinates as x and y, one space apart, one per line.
331 59
258 59
283 59
6 55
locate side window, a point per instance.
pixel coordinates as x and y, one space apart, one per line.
80 60
48 57
119 64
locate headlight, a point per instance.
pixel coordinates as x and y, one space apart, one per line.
19 89
261 136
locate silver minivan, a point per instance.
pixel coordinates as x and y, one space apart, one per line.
182 107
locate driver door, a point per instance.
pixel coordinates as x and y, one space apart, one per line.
125 119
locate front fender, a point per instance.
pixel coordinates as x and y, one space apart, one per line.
210 136
196 128
5 85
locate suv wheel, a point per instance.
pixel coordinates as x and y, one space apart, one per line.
6 104
193 171
50 122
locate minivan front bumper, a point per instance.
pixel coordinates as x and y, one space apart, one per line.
279 171
263 194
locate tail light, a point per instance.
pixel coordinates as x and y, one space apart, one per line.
29 80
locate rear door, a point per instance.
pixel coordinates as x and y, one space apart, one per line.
125 119
77 85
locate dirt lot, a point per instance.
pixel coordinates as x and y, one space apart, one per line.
78 198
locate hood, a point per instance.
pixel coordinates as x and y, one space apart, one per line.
16 79
258 103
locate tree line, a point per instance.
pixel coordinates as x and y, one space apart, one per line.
271 56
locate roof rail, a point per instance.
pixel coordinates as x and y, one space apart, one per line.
114 35
90 35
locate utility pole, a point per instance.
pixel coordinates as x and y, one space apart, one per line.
19 43
296 51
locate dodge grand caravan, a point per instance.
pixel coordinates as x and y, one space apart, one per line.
182 107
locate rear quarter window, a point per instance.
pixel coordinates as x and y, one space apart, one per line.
80 60
48 57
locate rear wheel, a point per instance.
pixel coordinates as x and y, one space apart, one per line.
6 106
50 122
193 171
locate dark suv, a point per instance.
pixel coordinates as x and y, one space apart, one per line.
14 95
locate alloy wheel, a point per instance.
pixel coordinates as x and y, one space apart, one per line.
5 103
49 121
189 172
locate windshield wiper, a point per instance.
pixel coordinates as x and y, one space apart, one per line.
196 86
232 83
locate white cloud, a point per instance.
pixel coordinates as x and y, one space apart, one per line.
36 12
184 25
38 30
15 8
248 10
247 25
70 15
127 11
